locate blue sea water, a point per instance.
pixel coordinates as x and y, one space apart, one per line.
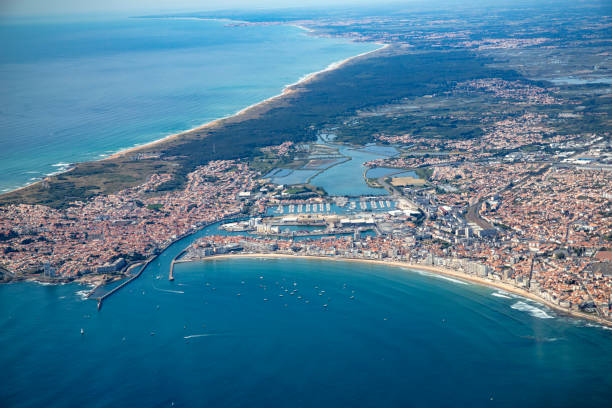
257 333
74 91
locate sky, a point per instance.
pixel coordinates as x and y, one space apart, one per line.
54 7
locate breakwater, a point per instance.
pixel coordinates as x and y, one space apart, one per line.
171 274
201 228
102 298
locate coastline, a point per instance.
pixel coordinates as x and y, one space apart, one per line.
425 268
287 90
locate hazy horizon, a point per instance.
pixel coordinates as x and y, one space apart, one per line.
26 8
75 8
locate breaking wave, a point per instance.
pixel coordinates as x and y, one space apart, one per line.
501 294
435 275
532 310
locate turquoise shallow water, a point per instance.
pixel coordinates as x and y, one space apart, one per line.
74 91
405 339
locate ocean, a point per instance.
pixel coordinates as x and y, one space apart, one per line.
80 90
295 332
244 332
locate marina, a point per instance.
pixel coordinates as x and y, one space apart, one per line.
421 223
348 206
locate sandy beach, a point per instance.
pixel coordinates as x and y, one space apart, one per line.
288 89
433 269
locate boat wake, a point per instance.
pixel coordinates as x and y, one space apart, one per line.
194 336
541 339
532 310
168 290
